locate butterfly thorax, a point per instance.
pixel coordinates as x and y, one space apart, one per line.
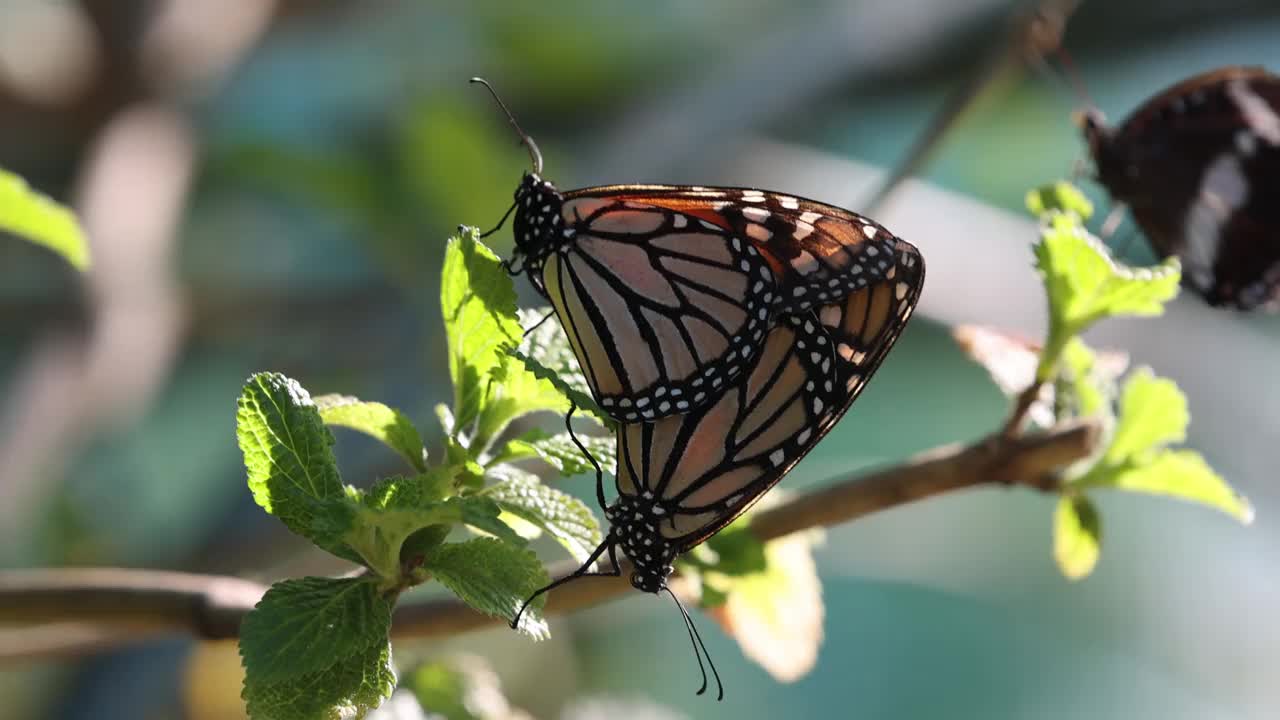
635 523
538 225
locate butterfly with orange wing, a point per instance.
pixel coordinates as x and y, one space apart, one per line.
667 291
728 330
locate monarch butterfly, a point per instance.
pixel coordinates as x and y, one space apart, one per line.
667 292
1198 165
682 478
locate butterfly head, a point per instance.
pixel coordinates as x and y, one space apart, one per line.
537 225
1109 164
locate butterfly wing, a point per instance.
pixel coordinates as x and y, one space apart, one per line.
1195 164
708 466
667 292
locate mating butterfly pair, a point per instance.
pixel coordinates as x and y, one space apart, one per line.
726 329
1198 165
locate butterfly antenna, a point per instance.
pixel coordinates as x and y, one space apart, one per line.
590 458
699 648
534 155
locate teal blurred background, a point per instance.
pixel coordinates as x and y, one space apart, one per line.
268 184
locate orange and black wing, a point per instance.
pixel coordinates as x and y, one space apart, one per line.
667 292
705 468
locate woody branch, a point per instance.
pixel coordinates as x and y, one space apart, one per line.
71 611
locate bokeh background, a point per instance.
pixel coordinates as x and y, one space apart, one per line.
268 184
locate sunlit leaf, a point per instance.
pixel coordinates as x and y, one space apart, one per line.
776 614
1153 414
1077 536
478 301
493 577
565 517
378 421
31 216
1084 284
289 457
1061 196
1181 474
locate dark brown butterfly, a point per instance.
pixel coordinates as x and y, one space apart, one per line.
1199 167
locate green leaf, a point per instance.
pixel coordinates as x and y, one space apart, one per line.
518 390
1061 196
479 305
583 400
34 217
738 551
306 625
775 613
1077 536
418 491
485 514
564 517
289 457
461 688
396 509
1085 285
547 354
1181 474
442 691
1153 414
560 452
389 426
493 577
1086 385
349 688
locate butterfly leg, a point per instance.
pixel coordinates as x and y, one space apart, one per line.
538 324
583 571
604 505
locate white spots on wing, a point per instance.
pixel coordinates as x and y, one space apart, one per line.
900 290
872 250
679 221
764 272
752 196
845 351
745 265
799 291
810 217
802 231
830 315
709 226
757 232
870 231
788 202
737 244
777 456
818 406
804 263
1258 114
755 214
1223 189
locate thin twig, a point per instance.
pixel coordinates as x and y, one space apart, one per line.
211 607
1013 426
